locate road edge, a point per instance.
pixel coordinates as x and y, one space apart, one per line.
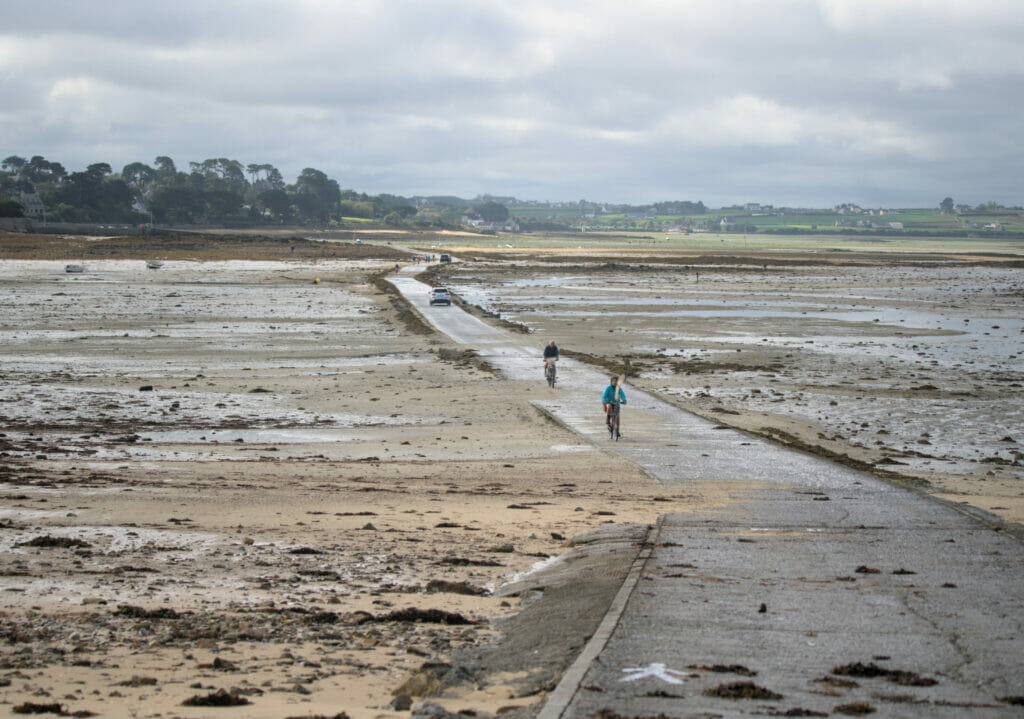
563 694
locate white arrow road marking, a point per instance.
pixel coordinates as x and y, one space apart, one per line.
658 671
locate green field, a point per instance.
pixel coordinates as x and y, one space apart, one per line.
598 241
913 220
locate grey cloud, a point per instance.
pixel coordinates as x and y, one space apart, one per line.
470 97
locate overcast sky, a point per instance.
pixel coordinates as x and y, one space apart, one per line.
789 102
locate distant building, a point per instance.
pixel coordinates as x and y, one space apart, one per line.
895 225
510 225
31 203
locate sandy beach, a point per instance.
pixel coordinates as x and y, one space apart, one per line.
254 476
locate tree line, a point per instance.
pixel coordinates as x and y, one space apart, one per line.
216 191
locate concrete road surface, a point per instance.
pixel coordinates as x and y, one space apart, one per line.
806 589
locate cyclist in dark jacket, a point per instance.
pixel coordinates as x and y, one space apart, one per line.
550 355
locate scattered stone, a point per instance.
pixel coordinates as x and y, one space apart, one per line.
305 550
463 562
855 709
219 698
401 703
425 682
502 549
430 616
862 569
127 610
137 681
741 690
32 708
873 671
47 541
432 710
441 585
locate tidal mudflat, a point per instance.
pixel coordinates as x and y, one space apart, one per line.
914 367
262 481
237 481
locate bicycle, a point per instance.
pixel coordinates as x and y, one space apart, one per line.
613 420
549 374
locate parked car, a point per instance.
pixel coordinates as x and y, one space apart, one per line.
445 257
440 296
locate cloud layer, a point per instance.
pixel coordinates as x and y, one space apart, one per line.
796 102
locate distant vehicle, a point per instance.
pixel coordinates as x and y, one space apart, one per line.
74 269
445 257
440 296
154 264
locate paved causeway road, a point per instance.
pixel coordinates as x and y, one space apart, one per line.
796 587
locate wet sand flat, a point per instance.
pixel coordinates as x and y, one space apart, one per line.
228 476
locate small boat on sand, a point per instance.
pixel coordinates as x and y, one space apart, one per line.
154 264
74 269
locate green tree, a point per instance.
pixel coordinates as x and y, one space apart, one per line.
277 202
274 178
38 169
223 174
138 175
14 164
177 204
165 167
492 212
947 205
316 195
10 208
94 196
221 205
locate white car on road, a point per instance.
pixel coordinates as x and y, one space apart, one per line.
440 296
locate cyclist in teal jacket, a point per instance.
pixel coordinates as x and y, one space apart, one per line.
611 399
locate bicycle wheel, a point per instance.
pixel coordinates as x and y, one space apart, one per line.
551 375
